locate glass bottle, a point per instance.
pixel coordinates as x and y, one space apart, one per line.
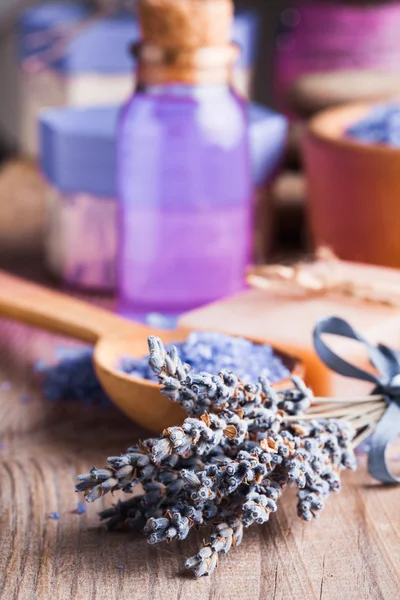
185 189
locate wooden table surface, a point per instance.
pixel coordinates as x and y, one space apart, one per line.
352 552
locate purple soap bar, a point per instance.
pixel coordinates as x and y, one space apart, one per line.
78 161
78 147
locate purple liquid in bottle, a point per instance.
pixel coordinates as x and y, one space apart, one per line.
185 195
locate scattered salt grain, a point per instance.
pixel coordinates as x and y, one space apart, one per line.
73 378
160 321
80 508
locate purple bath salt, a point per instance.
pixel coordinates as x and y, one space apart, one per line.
380 126
213 352
74 378
80 509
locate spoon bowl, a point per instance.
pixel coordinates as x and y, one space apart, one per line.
113 338
139 398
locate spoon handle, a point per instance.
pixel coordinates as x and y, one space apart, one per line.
59 313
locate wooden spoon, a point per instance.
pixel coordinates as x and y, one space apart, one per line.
113 337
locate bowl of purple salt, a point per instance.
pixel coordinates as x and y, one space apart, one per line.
213 352
73 376
352 162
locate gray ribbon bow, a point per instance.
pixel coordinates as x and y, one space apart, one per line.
387 382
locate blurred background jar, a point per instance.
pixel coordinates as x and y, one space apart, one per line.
69 57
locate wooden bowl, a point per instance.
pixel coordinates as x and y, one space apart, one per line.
353 189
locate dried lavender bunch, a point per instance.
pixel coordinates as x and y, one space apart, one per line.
200 392
229 462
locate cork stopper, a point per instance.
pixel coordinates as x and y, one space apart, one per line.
186 24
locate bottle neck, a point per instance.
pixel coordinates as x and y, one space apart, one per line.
201 67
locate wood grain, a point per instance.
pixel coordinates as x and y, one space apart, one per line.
351 552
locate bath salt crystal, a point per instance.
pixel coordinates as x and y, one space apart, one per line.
160 321
80 508
214 352
72 378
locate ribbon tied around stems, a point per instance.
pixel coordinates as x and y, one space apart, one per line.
386 382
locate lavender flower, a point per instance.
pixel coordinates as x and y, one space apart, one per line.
227 534
229 462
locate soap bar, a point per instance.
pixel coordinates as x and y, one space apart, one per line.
78 161
287 320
